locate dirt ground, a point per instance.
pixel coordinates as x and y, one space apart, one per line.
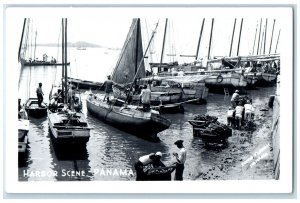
248 154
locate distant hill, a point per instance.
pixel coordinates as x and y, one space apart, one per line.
72 44
78 44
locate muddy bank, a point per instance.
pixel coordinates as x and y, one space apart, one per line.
249 154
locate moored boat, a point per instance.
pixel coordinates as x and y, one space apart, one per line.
230 80
128 118
68 125
86 84
34 110
23 129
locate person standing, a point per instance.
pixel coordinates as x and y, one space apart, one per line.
180 160
234 98
249 111
40 94
239 112
108 88
231 117
145 98
71 96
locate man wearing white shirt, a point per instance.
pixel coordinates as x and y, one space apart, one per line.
180 160
249 111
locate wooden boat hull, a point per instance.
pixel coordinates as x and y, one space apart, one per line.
266 79
42 63
85 84
67 134
231 81
156 97
33 110
142 124
23 129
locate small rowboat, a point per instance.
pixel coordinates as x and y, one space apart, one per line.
32 108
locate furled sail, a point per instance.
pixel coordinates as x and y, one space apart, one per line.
131 56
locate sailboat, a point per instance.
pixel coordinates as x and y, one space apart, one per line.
67 125
32 61
129 118
171 87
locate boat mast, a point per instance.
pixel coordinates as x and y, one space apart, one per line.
199 41
272 36
137 46
262 39
163 46
254 38
265 35
238 49
232 37
212 27
259 36
140 64
21 41
277 42
63 59
34 45
65 62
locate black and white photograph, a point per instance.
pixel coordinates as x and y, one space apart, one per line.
116 96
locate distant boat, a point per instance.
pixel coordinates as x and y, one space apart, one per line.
41 63
81 48
32 108
127 117
67 125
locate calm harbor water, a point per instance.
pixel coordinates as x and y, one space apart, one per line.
110 148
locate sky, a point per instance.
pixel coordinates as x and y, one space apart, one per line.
109 26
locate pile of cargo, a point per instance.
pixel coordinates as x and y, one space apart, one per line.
210 129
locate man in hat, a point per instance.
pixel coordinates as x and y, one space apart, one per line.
180 160
144 161
40 94
234 98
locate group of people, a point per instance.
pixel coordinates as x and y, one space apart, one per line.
155 160
145 94
73 101
238 112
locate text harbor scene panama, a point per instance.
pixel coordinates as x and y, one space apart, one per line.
149 99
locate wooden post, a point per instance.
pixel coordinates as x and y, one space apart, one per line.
232 37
